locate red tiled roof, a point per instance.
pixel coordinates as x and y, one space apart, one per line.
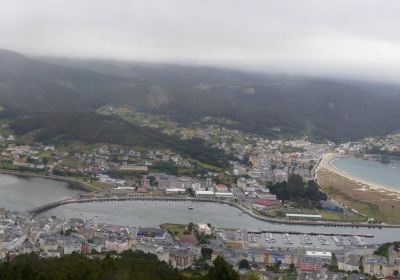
265 202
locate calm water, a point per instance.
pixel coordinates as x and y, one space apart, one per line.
147 213
371 171
18 193
25 193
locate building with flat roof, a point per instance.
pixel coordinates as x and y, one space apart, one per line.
174 191
204 194
181 258
309 264
319 254
349 263
223 195
307 217
151 233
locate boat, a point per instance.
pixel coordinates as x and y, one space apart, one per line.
190 207
287 239
271 238
338 241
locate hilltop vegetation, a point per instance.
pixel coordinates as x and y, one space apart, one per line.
128 265
271 105
95 128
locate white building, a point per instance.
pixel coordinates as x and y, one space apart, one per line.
174 191
319 254
224 195
205 194
308 217
204 229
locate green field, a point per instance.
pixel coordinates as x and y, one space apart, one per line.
326 215
177 230
338 217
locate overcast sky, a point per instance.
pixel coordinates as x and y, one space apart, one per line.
339 37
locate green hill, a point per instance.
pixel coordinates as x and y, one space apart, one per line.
330 108
95 128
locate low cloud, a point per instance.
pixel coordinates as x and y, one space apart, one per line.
352 38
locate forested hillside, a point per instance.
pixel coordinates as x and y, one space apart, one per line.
266 104
128 265
95 128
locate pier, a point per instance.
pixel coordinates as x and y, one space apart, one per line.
366 235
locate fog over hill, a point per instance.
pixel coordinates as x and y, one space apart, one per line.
329 108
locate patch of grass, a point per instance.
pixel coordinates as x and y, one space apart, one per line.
72 163
368 208
234 245
382 206
274 213
5 121
251 275
176 230
9 166
333 216
206 165
98 186
6 131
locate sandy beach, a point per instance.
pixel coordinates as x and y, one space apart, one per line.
381 203
326 163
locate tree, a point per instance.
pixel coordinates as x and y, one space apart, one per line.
253 276
191 192
275 268
190 227
94 251
296 190
244 264
45 160
206 252
361 265
221 270
152 180
334 263
127 265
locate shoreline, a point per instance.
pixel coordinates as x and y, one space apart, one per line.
42 210
85 187
326 163
73 183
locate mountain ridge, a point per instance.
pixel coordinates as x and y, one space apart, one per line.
255 102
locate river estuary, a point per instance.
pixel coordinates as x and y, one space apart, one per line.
17 193
20 193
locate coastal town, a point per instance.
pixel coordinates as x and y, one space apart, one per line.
113 172
257 163
265 254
